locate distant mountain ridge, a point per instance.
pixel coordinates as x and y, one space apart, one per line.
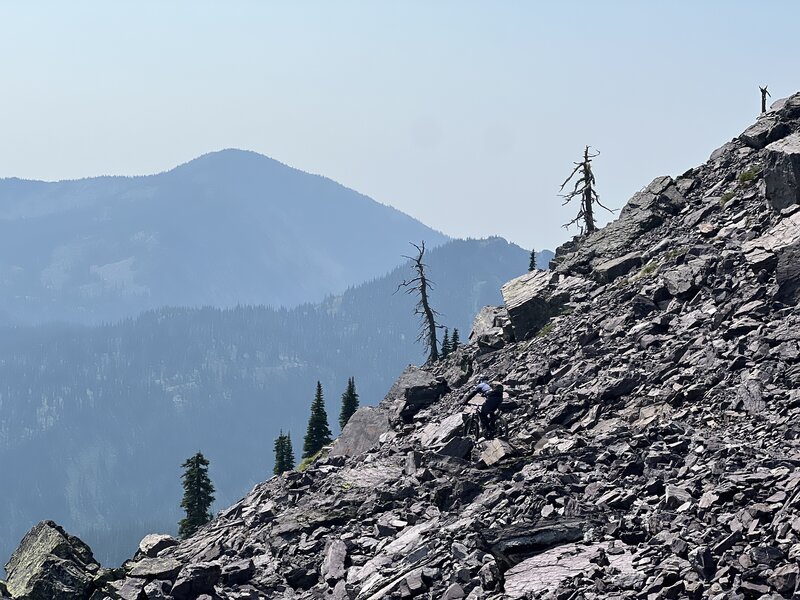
95 421
101 249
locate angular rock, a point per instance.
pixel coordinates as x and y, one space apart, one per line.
50 564
491 329
239 572
196 579
494 451
154 543
333 564
782 172
534 298
362 432
457 447
155 568
769 128
787 274
414 390
617 267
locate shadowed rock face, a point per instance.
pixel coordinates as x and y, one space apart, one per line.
51 565
653 448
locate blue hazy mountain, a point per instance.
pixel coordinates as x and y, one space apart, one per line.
228 228
96 420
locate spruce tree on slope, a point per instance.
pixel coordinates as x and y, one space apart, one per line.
284 456
198 494
455 342
318 434
446 347
288 453
532 264
349 403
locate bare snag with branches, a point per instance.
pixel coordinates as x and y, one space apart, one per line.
583 189
421 286
764 94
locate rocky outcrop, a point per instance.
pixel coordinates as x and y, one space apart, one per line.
782 172
491 329
534 298
362 432
653 448
50 564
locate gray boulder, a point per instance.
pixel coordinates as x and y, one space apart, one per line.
362 432
491 329
50 564
782 172
787 274
617 267
155 568
769 128
534 298
154 543
414 390
196 579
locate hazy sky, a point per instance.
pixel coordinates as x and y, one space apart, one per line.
466 115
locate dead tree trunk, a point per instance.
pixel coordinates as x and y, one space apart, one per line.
421 286
764 94
584 188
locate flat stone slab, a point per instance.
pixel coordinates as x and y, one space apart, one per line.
546 570
362 432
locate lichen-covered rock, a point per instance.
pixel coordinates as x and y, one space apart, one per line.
50 564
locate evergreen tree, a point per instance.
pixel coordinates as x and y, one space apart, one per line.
280 454
288 453
318 433
198 494
455 342
446 347
532 265
349 403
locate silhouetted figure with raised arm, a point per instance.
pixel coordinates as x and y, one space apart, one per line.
764 94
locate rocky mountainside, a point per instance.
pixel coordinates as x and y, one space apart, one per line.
228 228
97 420
652 394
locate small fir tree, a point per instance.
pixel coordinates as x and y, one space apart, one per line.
318 434
349 403
532 264
198 494
284 454
455 342
446 348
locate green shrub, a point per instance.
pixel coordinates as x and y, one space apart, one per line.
747 177
304 464
726 197
546 329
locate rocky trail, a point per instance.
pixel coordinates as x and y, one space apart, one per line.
653 395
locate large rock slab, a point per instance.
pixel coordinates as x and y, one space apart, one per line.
196 579
617 267
767 129
764 251
534 298
362 432
787 274
491 329
414 390
546 570
50 564
154 543
782 172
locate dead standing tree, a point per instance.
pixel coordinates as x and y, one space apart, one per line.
584 188
764 94
421 286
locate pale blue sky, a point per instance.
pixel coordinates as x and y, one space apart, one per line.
467 115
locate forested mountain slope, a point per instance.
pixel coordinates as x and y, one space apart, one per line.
95 421
228 228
